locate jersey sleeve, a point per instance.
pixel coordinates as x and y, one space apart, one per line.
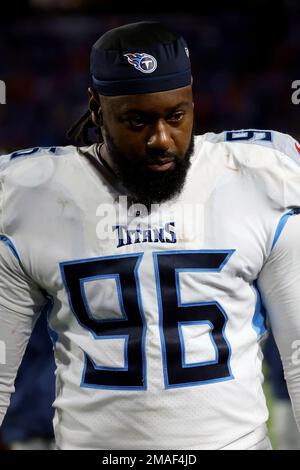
279 284
21 301
278 142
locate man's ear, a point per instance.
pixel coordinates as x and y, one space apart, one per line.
95 107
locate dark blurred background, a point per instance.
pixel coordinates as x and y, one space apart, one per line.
245 57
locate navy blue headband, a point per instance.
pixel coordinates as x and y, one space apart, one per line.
123 71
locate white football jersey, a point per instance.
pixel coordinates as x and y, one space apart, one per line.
155 319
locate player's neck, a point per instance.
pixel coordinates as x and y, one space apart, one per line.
105 158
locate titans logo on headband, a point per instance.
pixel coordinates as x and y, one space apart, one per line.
145 63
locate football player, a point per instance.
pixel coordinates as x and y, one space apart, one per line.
156 251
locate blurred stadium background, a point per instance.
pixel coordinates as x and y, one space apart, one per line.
245 56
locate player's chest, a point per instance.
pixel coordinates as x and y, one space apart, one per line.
192 239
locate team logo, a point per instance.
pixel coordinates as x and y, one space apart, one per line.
145 63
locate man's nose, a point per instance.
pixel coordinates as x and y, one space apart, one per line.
160 138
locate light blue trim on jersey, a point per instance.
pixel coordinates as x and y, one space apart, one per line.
52 333
160 310
259 317
183 353
205 382
111 387
97 258
48 308
198 270
196 304
107 368
30 151
140 304
160 321
10 245
82 281
282 223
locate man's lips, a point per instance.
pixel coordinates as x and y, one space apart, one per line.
161 164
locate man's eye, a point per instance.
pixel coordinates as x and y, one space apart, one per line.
136 121
176 117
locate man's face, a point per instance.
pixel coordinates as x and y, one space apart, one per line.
149 141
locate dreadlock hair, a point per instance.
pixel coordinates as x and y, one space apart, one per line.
82 136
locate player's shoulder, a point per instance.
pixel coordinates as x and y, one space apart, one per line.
263 146
38 166
35 154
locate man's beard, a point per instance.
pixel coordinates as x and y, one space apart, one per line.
145 186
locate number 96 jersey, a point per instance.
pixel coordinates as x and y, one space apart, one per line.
156 318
